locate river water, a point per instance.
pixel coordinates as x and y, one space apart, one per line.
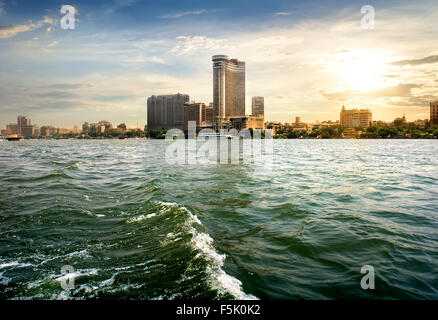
128 225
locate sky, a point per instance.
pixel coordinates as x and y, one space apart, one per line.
307 58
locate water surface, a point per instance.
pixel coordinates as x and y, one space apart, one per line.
134 227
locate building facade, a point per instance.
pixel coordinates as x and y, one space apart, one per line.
29 131
248 122
166 111
198 112
85 127
47 131
228 88
434 112
193 112
258 106
355 117
23 121
14 128
23 127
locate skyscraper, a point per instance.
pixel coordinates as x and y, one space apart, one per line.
258 106
228 88
434 112
166 111
23 121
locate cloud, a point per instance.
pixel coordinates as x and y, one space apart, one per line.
289 13
187 44
67 86
2 7
13 30
401 90
10 31
401 95
119 4
182 14
414 62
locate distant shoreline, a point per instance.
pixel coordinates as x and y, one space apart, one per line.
275 138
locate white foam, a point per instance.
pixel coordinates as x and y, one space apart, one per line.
169 205
14 264
108 282
83 254
4 280
141 218
203 243
220 280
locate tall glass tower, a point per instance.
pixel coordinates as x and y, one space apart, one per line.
228 88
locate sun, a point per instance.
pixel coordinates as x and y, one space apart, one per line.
363 71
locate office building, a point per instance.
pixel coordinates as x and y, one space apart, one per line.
193 112
17 128
228 88
208 115
166 111
258 106
23 121
29 130
354 117
198 112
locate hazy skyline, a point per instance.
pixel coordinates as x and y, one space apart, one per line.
307 58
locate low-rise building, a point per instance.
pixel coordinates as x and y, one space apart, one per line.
122 127
48 131
5 132
248 122
14 128
355 117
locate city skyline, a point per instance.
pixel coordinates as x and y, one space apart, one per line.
306 59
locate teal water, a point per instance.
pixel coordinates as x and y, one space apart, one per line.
134 227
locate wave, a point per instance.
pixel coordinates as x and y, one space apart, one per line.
202 243
141 218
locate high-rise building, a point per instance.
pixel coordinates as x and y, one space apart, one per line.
86 127
166 111
23 121
228 88
353 118
21 128
193 112
208 114
434 112
107 126
29 130
199 112
258 106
